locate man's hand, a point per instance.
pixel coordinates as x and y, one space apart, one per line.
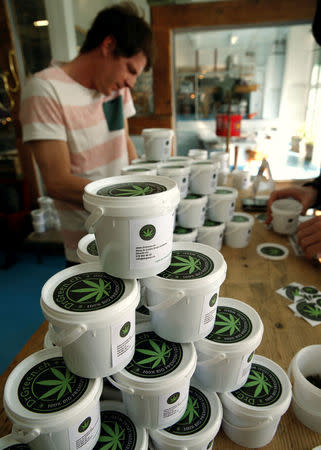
309 237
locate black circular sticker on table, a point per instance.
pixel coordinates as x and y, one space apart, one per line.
154 357
310 311
134 189
309 290
262 388
92 248
182 230
89 291
117 431
231 325
238 218
188 265
196 416
50 387
271 250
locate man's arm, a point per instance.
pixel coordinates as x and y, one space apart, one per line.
54 164
131 150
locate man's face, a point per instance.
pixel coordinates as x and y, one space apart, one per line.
117 72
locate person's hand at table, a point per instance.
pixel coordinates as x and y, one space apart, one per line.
306 195
309 237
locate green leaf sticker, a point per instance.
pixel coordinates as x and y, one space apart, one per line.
117 432
135 189
147 232
231 325
187 265
309 310
84 425
196 416
262 388
272 251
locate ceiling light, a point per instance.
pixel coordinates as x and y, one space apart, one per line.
40 23
234 39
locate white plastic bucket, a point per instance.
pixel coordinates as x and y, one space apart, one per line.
93 318
117 427
197 428
211 233
178 173
257 405
241 179
198 154
221 204
50 407
139 169
157 143
133 220
155 384
238 230
285 212
307 363
311 419
191 211
87 250
224 356
223 158
203 178
184 234
38 216
182 300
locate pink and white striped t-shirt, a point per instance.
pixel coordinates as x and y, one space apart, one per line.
54 106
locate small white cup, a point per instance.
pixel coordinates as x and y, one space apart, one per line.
241 179
285 212
238 230
203 178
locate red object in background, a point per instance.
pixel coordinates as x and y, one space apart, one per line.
222 124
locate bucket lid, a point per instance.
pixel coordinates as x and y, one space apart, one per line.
240 219
237 327
204 164
270 250
9 443
157 132
182 230
286 206
124 194
41 392
139 168
195 197
156 361
85 294
212 224
87 248
193 265
267 391
174 169
224 192
181 159
200 422
117 428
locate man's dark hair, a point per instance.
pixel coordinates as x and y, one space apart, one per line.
130 31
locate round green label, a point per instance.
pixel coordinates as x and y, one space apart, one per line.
310 290
89 291
270 250
154 357
196 416
188 265
50 387
135 189
231 325
309 310
238 218
182 230
147 232
192 196
84 425
211 223
117 431
92 248
223 191
262 388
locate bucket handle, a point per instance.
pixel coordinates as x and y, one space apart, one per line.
120 386
24 436
170 301
96 214
261 425
66 337
219 357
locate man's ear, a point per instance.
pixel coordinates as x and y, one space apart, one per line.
108 45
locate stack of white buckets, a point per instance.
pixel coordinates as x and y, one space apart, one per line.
168 365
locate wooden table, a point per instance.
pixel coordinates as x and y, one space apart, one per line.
253 280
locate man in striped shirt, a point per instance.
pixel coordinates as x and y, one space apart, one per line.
74 114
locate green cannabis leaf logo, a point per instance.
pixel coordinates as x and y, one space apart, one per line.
173 398
259 381
158 355
191 264
95 290
148 232
191 410
113 437
134 191
228 324
84 425
309 290
61 383
292 291
125 329
311 311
